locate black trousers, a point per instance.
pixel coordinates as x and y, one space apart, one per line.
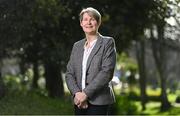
93 110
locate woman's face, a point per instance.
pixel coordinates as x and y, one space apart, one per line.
89 24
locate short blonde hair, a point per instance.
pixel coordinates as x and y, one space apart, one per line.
92 12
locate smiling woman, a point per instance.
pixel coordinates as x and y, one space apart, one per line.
90 68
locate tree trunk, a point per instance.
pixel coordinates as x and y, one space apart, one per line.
140 54
22 67
2 87
36 75
23 70
160 61
54 82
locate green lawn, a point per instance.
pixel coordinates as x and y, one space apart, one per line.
33 103
152 107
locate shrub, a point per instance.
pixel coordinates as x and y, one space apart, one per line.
124 106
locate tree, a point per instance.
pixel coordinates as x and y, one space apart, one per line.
140 54
37 30
160 12
5 40
46 35
131 23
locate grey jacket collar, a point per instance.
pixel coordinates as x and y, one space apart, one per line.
93 52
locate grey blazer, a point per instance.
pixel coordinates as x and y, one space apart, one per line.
99 70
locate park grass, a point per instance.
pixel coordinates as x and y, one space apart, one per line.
153 108
31 103
153 105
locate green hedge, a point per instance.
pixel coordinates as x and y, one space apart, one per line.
124 106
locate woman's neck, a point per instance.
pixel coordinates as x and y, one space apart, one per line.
90 38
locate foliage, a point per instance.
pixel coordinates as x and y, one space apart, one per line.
126 62
12 82
128 68
124 106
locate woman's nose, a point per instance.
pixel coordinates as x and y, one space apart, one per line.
89 21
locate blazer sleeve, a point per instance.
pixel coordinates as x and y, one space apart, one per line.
107 69
70 74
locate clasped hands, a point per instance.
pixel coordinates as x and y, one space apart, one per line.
80 100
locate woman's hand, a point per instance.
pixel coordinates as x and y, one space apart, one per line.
80 100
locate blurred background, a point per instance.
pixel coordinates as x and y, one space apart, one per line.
36 38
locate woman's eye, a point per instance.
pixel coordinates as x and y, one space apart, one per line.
93 19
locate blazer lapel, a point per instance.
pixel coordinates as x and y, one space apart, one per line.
94 51
81 52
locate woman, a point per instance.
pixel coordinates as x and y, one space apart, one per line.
91 66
